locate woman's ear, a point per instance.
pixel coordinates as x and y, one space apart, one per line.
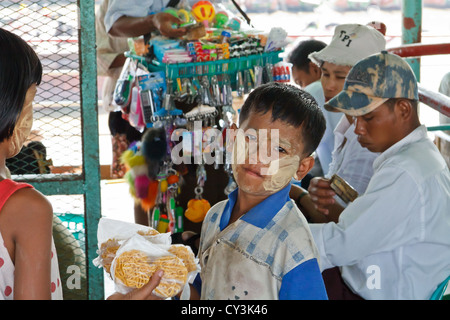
306 164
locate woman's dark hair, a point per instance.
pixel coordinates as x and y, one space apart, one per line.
20 67
291 105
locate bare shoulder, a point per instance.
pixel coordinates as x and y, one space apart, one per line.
28 205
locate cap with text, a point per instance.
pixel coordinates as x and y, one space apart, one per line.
350 43
372 81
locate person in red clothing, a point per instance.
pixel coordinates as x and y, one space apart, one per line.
28 260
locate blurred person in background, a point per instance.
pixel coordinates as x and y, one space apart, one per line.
307 75
350 161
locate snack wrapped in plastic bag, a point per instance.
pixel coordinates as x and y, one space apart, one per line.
186 255
107 253
138 259
111 234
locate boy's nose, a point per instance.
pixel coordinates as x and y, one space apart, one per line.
330 89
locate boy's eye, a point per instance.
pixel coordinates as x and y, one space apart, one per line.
368 118
250 137
281 149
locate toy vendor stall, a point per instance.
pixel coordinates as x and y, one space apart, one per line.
185 93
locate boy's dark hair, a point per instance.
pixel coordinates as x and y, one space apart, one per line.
291 105
299 56
20 67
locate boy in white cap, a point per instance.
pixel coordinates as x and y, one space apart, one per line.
339 151
393 241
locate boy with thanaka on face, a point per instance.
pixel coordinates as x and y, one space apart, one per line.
257 244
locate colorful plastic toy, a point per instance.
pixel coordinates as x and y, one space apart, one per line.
203 11
234 24
221 19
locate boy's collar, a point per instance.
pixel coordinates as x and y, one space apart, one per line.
262 213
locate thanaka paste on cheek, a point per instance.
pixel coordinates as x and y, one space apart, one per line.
21 130
280 172
277 174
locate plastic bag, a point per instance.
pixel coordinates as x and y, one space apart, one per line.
138 259
111 234
186 255
130 253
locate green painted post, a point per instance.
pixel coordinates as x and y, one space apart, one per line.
412 29
91 162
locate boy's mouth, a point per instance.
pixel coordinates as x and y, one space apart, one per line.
253 172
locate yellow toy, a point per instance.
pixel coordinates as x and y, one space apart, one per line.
184 15
203 11
197 209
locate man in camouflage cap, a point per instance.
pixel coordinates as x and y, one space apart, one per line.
374 81
393 241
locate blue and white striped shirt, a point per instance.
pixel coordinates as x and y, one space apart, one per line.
266 254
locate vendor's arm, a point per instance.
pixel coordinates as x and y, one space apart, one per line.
118 62
127 26
132 19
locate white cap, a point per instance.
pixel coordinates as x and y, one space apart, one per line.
350 43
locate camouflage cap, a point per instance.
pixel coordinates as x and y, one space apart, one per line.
372 81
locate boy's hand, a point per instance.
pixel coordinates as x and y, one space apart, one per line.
321 194
144 293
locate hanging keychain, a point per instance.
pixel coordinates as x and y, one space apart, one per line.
198 207
156 216
175 214
215 92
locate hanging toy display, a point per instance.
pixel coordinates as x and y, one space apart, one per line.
153 183
198 207
221 19
142 188
172 11
184 16
234 24
203 11
195 84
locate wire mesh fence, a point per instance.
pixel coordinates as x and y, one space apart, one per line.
55 144
50 27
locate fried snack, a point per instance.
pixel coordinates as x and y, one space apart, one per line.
134 269
107 253
149 232
343 189
185 254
